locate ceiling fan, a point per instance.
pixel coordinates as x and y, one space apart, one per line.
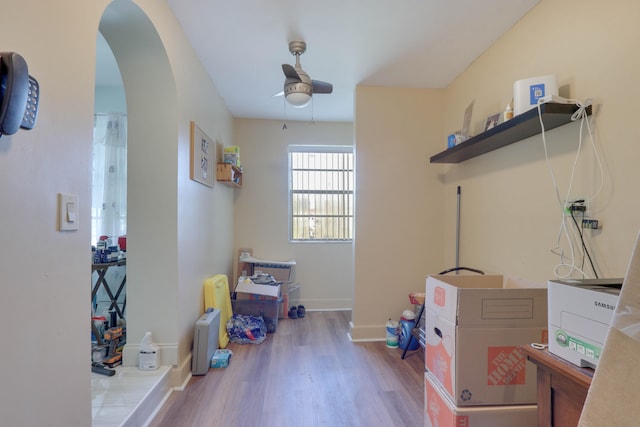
298 86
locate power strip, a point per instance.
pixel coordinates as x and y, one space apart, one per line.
554 98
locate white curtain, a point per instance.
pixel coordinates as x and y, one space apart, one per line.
109 194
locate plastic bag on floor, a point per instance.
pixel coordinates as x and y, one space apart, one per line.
246 329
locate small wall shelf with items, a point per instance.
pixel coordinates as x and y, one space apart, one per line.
229 175
520 127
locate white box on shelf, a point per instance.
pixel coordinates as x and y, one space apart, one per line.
527 92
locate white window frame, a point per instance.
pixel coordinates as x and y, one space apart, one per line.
341 218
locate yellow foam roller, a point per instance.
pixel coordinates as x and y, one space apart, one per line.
216 295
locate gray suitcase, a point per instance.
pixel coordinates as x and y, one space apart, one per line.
205 341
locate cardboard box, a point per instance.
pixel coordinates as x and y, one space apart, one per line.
475 326
290 297
441 412
282 271
248 288
580 312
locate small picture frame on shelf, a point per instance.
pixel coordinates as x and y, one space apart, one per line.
492 121
466 123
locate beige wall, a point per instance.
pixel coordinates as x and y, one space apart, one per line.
406 206
510 216
45 274
204 215
180 231
324 271
399 210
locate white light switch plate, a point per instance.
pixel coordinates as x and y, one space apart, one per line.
67 212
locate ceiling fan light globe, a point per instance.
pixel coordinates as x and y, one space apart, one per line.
298 99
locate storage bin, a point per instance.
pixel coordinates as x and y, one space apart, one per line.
268 309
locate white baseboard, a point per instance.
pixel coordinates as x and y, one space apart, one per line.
181 375
338 304
367 332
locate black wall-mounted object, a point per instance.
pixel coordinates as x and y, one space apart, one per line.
19 94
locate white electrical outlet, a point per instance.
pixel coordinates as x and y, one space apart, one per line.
67 212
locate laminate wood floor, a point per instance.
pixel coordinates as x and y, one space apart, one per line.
308 373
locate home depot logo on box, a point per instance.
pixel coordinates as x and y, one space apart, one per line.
506 366
439 296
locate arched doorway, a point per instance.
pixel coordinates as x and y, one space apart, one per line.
108 210
152 115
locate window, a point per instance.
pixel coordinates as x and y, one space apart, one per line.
109 179
321 190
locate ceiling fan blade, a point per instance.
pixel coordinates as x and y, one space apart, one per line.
321 87
281 93
290 72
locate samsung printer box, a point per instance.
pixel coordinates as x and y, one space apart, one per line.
475 325
580 312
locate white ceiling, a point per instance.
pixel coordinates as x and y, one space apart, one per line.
401 43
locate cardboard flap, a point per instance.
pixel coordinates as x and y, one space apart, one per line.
487 300
248 287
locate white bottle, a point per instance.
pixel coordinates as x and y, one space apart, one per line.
508 113
148 359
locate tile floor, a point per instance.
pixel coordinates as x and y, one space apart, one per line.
129 398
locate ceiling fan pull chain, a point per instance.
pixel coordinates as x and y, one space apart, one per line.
284 114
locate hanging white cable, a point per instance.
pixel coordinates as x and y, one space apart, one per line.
563 228
569 263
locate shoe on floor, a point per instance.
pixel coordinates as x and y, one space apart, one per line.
293 312
301 311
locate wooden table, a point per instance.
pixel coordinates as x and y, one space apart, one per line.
562 388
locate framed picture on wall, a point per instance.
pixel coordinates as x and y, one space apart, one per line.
203 157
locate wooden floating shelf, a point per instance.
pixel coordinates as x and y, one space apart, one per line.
229 175
520 127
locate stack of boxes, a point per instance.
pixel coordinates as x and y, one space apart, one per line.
476 374
258 300
282 271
